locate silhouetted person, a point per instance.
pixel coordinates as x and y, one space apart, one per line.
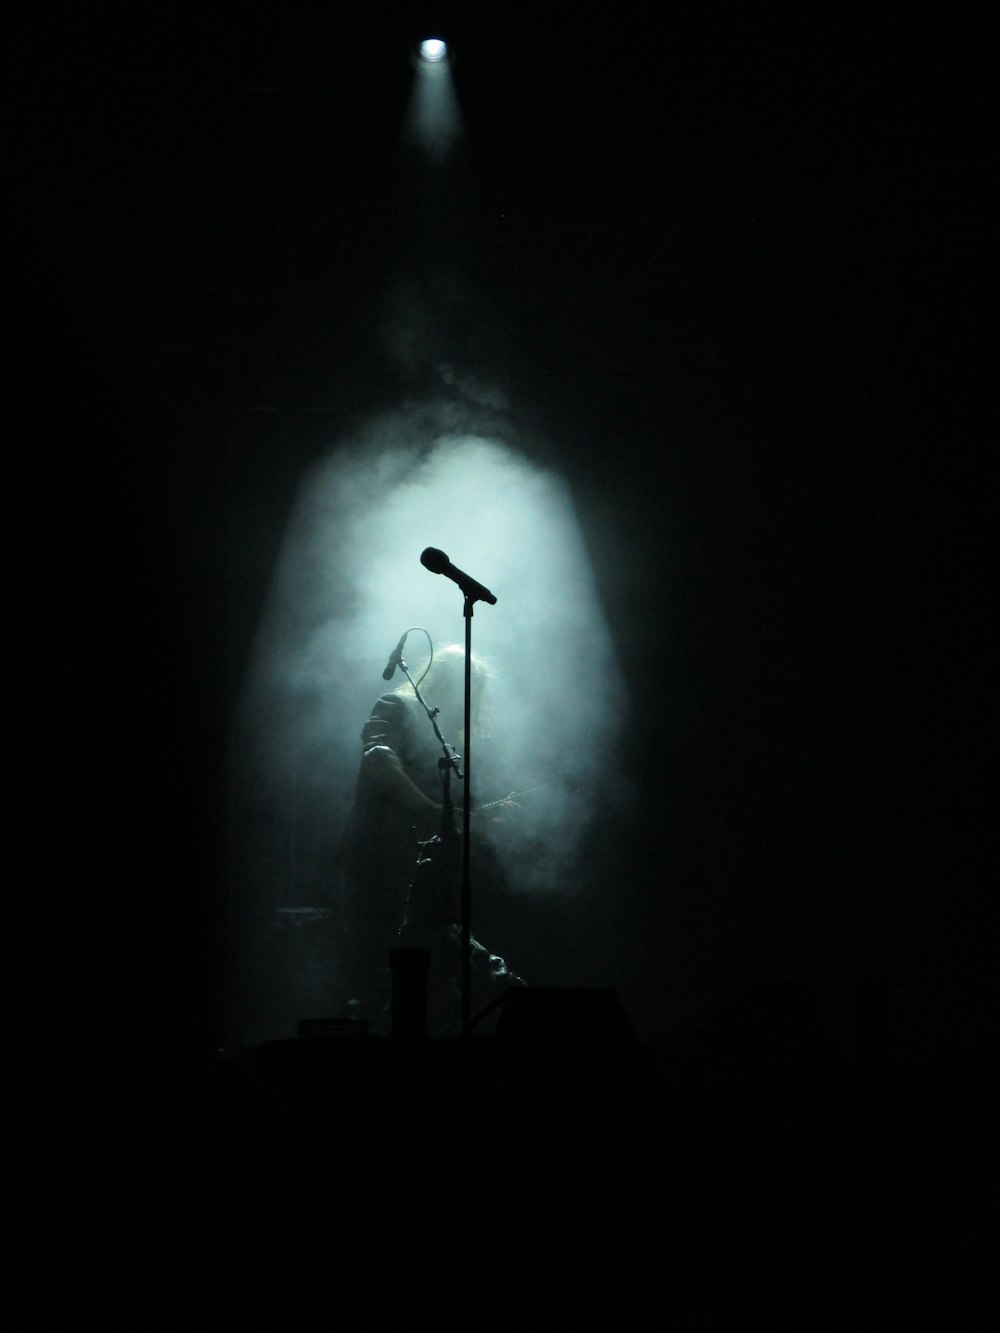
400 854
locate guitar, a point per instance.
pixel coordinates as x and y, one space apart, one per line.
432 894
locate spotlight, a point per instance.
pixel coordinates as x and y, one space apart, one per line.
433 50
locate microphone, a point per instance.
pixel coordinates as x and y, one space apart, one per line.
394 660
438 563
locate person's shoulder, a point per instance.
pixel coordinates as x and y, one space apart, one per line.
389 715
392 705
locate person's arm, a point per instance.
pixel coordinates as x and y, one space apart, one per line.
383 778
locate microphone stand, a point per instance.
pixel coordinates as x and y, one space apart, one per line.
449 763
451 760
438 563
466 821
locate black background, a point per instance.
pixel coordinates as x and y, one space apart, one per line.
735 271
732 268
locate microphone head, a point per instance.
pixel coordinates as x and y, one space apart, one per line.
434 560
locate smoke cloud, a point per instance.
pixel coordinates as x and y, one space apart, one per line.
450 470
350 582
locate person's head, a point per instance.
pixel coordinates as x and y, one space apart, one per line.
442 684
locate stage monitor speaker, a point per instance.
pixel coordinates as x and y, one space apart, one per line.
578 1018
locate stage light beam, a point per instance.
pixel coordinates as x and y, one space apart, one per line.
433 119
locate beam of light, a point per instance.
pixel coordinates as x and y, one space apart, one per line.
349 582
433 120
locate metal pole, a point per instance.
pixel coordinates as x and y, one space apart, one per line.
466 821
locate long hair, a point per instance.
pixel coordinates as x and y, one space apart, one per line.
442 682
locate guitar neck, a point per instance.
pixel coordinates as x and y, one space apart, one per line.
505 800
